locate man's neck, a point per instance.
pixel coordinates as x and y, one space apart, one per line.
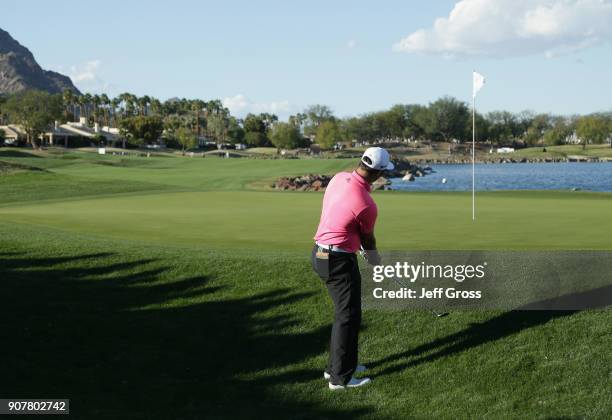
363 174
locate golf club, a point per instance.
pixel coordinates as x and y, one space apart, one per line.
399 283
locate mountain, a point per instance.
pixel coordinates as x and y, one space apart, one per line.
19 70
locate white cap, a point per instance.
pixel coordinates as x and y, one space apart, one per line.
377 158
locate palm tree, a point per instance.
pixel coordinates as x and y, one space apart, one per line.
82 105
128 103
114 103
197 106
105 102
69 99
156 106
96 101
143 103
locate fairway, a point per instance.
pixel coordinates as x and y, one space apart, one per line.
176 286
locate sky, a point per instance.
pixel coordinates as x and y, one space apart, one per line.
354 56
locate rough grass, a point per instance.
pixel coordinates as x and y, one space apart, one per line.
165 290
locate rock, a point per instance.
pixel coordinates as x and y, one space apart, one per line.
380 183
408 177
310 182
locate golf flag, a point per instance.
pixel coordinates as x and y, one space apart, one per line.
479 81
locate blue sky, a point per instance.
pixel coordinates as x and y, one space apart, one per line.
355 56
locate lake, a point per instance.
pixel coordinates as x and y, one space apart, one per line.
513 176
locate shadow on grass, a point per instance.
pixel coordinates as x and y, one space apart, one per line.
17 154
97 328
475 335
498 327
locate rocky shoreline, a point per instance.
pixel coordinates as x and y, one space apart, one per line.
309 182
409 170
452 161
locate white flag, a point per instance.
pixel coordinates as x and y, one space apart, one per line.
479 81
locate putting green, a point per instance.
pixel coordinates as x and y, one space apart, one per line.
275 221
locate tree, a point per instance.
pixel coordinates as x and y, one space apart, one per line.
395 120
96 101
142 128
105 102
143 104
412 128
199 108
315 115
559 132
69 99
114 108
35 111
355 128
535 132
255 130
328 134
285 136
524 119
85 101
128 102
216 125
482 127
235 133
297 120
186 138
503 126
593 128
446 119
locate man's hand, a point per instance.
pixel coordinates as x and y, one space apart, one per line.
368 247
372 257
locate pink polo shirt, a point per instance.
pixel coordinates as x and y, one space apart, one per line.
348 211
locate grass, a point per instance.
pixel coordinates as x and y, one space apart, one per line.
168 288
271 221
592 150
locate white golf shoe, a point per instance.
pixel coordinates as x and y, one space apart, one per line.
353 383
358 369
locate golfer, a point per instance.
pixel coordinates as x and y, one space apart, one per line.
347 224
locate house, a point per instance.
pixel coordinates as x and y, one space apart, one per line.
12 134
573 139
81 130
72 134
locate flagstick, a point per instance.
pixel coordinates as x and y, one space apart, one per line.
473 157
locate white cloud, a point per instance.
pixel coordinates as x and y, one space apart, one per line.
86 76
86 72
499 28
351 44
239 105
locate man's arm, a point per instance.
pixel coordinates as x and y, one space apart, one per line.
367 220
368 241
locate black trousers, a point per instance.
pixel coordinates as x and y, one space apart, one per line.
340 273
